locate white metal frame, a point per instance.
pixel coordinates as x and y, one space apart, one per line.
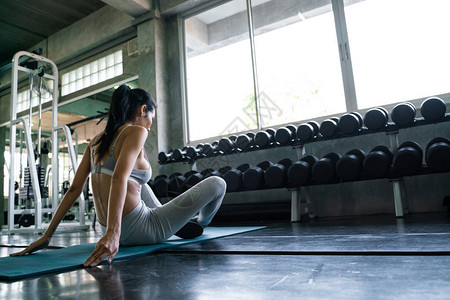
38 210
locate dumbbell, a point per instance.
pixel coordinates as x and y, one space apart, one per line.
189 173
350 123
225 169
404 114
180 154
210 172
233 178
176 184
192 180
265 139
329 127
164 157
161 185
433 109
276 175
324 170
286 135
227 145
245 142
299 173
437 155
210 150
308 131
27 220
194 153
407 159
350 166
378 162
150 183
253 177
376 118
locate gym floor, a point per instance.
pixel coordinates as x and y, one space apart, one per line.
370 257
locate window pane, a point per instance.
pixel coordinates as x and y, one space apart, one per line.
399 49
298 64
220 89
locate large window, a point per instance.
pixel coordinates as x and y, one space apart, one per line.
399 49
92 73
253 64
297 60
219 72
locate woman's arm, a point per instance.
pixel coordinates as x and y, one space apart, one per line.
67 202
108 245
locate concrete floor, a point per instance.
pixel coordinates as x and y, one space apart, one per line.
374 257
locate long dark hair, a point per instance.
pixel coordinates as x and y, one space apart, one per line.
123 107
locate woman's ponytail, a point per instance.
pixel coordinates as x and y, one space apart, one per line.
123 106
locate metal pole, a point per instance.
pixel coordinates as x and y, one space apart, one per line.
255 73
73 159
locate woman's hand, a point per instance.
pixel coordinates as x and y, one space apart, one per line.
107 246
39 244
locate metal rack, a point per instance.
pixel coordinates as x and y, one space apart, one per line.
302 203
37 210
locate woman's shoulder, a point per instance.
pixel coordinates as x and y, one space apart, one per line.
136 130
95 139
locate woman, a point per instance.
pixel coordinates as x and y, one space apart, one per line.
126 208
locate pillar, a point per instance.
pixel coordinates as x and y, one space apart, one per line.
2 178
153 78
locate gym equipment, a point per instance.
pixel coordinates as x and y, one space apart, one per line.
324 170
265 139
210 172
350 123
253 177
194 153
46 70
245 142
225 169
176 184
407 159
151 184
433 109
227 145
233 178
276 174
350 166
299 173
376 118
26 220
164 157
308 131
329 127
180 155
286 135
161 186
192 180
378 162
210 150
437 154
404 114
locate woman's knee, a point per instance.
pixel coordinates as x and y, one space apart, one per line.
217 183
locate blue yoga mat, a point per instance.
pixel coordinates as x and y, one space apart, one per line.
43 262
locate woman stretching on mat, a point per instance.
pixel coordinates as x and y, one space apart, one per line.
127 210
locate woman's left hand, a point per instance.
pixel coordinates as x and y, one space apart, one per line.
107 246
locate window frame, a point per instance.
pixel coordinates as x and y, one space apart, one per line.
344 48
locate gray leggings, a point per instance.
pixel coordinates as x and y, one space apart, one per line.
150 222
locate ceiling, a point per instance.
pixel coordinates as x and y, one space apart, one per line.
24 23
